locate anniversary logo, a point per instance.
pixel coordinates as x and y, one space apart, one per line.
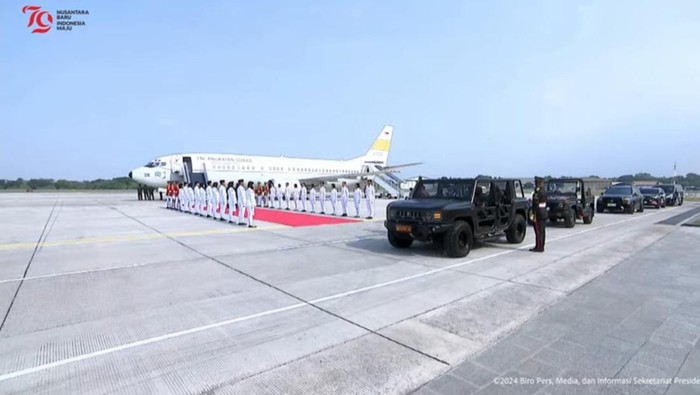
41 21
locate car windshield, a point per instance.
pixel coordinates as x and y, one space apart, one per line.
620 190
444 189
667 188
650 191
561 187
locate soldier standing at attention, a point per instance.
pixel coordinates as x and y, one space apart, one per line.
322 197
250 204
539 207
344 192
287 196
334 197
312 198
358 199
303 198
242 202
295 196
231 201
140 192
222 200
369 195
279 196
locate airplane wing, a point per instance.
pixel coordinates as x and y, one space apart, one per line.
355 175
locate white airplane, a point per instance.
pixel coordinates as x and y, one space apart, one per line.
197 167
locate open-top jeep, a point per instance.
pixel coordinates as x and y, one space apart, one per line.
569 198
454 212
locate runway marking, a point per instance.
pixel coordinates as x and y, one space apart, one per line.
121 238
67 361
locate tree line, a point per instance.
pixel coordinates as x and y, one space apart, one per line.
688 180
51 184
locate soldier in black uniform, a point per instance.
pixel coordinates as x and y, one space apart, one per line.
539 207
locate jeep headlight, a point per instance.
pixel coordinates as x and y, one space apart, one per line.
432 216
391 213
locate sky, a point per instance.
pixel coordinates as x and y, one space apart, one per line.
505 88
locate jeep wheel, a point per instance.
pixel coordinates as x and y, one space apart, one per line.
459 240
588 218
400 241
516 231
641 207
630 209
599 209
680 201
570 219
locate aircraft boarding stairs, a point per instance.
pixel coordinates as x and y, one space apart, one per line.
388 182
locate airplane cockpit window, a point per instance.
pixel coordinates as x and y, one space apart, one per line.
151 164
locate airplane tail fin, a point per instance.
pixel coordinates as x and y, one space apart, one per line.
378 153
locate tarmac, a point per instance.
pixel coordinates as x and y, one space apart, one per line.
102 293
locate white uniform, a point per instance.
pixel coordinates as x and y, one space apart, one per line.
207 201
322 198
358 200
222 201
242 202
214 202
287 196
334 199
369 195
312 199
273 195
279 197
197 200
295 194
231 203
250 204
303 198
344 192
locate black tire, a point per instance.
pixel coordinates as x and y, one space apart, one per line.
570 219
599 209
399 241
588 219
516 231
641 207
680 202
459 240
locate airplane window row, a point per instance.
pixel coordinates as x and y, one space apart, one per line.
289 169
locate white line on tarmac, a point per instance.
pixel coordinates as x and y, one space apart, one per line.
67 361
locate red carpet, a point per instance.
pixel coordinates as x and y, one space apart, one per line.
296 219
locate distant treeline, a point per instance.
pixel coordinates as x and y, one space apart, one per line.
51 184
688 180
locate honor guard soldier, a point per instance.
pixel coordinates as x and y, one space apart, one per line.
295 196
241 195
322 197
250 204
273 195
303 198
222 200
334 197
279 191
312 198
357 196
287 196
369 195
231 201
539 207
344 193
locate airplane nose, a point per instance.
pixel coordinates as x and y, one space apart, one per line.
131 175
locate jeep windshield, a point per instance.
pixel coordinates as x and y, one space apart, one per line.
649 191
667 188
561 187
444 189
619 191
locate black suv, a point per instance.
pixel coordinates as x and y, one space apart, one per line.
456 211
621 197
653 196
569 198
674 194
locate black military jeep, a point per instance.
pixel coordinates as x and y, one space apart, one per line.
569 198
453 212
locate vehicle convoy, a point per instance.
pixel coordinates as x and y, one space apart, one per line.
621 197
569 199
653 196
454 212
674 194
